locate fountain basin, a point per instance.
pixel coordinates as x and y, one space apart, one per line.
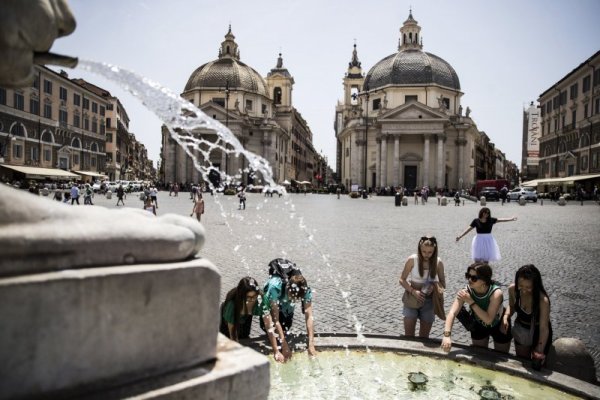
379 367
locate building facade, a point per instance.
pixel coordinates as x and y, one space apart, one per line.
56 124
258 111
403 123
570 123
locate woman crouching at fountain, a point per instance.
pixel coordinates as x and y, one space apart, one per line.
532 330
484 298
421 275
240 305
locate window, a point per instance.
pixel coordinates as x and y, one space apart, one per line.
264 108
76 99
17 130
277 95
376 104
76 121
219 100
108 121
102 110
573 91
63 93
17 150
62 117
597 106
249 105
586 84
555 103
595 160
47 86
410 98
549 107
563 97
75 158
47 155
19 101
109 107
447 103
94 125
596 77
86 124
109 137
585 111
47 110
34 106
562 121
36 82
93 161
94 107
102 129
3 96
46 137
35 153
86 103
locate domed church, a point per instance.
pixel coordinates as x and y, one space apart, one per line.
402 123
257 110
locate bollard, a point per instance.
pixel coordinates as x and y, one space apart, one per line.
482 200
444 201
522 201
562 201
405 201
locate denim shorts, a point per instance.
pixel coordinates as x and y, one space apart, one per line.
425 313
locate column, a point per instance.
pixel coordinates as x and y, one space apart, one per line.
441 161
383 161
378 161
396 162
426 161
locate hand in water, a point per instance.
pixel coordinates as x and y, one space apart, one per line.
312 352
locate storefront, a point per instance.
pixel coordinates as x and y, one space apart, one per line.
11 173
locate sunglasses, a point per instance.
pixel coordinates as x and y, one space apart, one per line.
472 278
431 239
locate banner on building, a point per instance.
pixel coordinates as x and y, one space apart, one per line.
533 133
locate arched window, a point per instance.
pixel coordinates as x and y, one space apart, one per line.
47 137
76 143
277 95
562 147
18 130
94 147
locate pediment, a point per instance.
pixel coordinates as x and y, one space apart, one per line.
410 157
413 111
64 150
211 108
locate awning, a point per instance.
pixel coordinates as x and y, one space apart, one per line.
40 173
569 180
91 173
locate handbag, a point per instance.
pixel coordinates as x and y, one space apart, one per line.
466 319
522 335
410 301
437 297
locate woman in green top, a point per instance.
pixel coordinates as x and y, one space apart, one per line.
240 304
485 299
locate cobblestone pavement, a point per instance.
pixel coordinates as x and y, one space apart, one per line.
352 252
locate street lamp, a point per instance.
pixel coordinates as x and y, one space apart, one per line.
366 128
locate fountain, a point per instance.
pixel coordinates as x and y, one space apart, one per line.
108 316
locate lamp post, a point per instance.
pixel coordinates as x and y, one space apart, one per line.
366 129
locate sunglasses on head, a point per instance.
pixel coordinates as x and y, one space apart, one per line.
431 239
472 278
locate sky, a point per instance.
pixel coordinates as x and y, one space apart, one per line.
506 53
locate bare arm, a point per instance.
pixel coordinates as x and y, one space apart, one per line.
408 266
232 332
469 228
506 219
308 315
544 324
505 321
441 274
274 328
446 340
486 316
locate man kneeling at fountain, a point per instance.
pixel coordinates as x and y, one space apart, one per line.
285 287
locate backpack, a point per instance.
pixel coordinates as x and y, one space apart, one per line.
284 269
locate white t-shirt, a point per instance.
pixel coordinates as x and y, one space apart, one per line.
414 274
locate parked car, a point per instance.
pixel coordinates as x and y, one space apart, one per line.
490 193
528 193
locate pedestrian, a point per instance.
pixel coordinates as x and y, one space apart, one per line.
416 193
532 330
484 247
286 287
484 297
176 189
198 208
503 194
154 195
74 194
242 197
58 195
456 199
87 196
240 305
120 195
421 274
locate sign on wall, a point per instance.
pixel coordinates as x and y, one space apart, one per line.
533 135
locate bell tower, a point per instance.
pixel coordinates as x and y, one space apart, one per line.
353 81
410 35
280 83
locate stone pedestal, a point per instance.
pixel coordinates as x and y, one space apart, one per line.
562 201
570 357
444 201
482 201
404 201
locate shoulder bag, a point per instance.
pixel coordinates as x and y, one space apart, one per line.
410 301
438 301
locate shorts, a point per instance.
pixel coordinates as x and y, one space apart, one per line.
480 332
424 313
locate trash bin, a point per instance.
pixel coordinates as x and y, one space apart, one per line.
398 199
108 194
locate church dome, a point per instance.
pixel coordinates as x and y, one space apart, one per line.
227 70
412 67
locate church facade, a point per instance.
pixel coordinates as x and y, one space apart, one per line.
402 124
258 111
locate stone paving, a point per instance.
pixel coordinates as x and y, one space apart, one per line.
352 252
